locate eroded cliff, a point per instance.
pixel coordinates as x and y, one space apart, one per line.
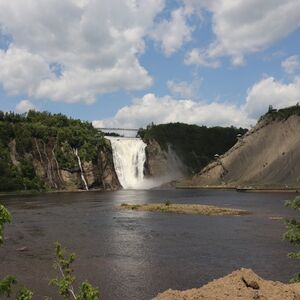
40 151
267 156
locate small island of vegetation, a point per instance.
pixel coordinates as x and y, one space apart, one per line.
193 209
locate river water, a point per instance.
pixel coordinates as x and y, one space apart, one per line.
135 255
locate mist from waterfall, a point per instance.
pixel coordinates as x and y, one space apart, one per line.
129 158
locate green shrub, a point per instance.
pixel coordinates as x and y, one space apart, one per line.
293 233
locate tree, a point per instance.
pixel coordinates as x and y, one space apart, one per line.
293 233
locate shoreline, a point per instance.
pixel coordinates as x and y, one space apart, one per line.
244 189
225 188
33 192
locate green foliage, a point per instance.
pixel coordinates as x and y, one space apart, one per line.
195 145
6 285
45 131
5 217
295 204
24 294
63 264
293 233
65 282
88 292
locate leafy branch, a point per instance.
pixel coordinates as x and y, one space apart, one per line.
293 233
62 263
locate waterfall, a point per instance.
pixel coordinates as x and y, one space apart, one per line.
129 157
81 170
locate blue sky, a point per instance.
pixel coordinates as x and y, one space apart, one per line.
130 62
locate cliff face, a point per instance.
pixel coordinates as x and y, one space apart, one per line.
55 175
267 156
41 151
163 164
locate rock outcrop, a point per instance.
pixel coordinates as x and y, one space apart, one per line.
99 174
266 156
163 164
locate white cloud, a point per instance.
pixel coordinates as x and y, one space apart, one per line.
267 92
173 33
24 106
184 89
151 108
96 44
22 71
200 57
243 27
291 64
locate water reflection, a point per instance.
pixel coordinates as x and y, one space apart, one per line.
135 255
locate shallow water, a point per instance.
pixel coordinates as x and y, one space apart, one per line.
135 255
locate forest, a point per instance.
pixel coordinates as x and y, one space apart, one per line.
22 135
195 145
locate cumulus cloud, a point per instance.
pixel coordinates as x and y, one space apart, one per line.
22 71
184 89
291 64
152 108
173 33
95 45
267 92
243 27
201 57
24 106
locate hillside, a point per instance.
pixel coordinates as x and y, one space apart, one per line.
194 145
41 151
266 156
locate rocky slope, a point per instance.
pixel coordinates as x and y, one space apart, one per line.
242 284
266 156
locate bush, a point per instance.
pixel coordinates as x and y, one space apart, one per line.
293 233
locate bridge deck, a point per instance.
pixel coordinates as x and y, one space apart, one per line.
119 129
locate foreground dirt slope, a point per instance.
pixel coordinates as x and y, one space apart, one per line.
268 155
242 284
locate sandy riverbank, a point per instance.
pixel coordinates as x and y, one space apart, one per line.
241 284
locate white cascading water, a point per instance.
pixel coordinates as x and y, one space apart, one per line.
129 158
81 170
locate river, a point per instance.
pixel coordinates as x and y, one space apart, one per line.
135 255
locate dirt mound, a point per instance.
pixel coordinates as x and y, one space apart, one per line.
267 156
243 284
